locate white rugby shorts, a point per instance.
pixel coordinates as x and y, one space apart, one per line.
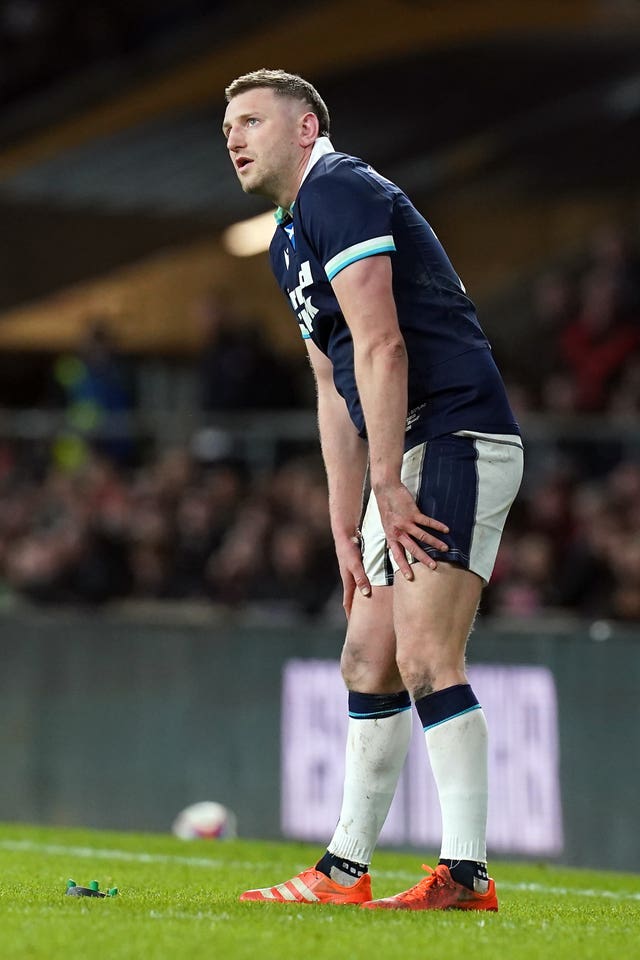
467 480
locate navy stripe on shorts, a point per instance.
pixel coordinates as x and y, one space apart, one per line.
465 480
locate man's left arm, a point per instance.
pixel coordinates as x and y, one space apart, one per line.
365 293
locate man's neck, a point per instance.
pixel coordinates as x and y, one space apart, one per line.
287 199
309 159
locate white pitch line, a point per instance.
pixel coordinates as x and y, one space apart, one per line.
105 853
567 891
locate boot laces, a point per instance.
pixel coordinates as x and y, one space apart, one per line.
434 880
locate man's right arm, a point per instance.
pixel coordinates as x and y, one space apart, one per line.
345 458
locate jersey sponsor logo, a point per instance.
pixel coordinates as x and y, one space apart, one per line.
304 309
414 415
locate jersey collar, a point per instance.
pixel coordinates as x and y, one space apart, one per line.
322 146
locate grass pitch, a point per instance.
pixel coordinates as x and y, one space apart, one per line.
180 900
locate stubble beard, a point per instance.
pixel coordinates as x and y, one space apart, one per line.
262 187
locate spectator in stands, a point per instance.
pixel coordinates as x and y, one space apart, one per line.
284 535
196 535
579 349
94 387
596 344
624 398
242 554
237 368
612 251
294 580
529 588
529 368
73 547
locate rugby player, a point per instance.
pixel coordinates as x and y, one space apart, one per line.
407 389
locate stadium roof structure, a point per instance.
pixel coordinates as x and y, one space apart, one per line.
542 98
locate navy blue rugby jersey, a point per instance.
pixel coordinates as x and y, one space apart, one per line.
345 211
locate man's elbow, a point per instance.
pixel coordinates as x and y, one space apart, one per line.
389 349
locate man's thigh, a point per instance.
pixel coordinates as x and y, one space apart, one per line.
433 616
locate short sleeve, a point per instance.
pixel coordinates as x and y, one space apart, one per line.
348 216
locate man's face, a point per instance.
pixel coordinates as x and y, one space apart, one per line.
262 139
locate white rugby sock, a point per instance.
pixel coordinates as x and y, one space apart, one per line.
375 754
458 753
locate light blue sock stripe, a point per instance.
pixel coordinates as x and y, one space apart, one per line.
439 723
391 713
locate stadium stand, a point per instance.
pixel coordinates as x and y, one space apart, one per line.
208 523
135 481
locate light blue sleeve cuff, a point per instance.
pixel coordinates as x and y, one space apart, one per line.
359 251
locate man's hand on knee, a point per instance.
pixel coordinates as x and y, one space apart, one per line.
404 525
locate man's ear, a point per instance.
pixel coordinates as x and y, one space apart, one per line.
309 129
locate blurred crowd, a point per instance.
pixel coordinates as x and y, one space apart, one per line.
88 523
174 529
177 529
573 539
579 350
572 544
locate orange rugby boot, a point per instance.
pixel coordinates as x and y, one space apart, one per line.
311 886
438 891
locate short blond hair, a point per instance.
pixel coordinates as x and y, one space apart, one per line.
284 85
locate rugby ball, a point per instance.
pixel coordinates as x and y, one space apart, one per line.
205 821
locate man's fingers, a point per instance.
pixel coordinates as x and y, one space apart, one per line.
425 521
400 548
400 557
362 582
420 554
416 533
356 569
424 537
348 590
354 577
406 544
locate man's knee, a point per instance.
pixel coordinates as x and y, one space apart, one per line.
425 670
370 667
368 660
433 615
418 676
352 664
